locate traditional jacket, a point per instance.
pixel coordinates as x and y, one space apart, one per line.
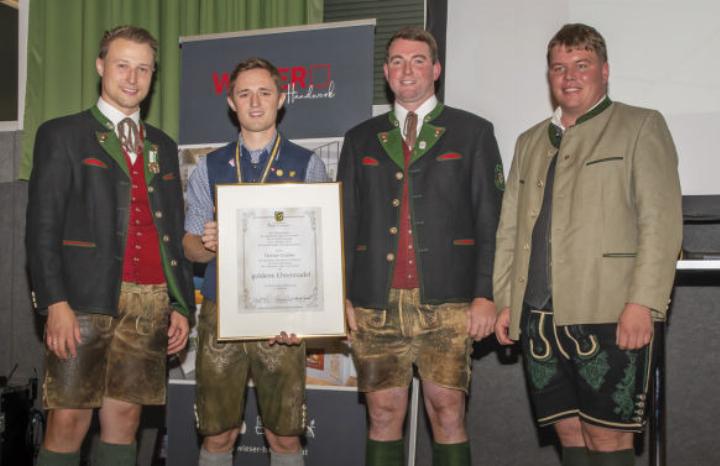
289 167
616 222
77 218
455 187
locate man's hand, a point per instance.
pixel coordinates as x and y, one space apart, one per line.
350 316
502 327
481 318
635 327
285 339
210 236
177 332
62 331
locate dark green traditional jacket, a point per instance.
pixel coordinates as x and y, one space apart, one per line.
455 189
77 214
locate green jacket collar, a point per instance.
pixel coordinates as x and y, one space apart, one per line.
109 141
555 133
392 140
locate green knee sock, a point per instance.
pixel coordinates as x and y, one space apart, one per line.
612 458
379 453
451 454
575 456
110 454
53 458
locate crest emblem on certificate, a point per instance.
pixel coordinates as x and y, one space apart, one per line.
279 215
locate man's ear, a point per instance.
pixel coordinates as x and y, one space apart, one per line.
281 100
231 104
100 66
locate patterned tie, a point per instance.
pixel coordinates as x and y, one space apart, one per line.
128 133
411 129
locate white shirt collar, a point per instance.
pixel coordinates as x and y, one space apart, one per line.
115 115
422 111
556 118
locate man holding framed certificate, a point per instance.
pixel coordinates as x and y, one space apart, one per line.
260 155
422 188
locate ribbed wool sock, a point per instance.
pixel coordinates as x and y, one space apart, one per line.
451 454
575 456
379 453
612 458
286 459
111 454
53 458
215 459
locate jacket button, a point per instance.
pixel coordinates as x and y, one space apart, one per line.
393 230
390 257
567 156
166 238
540 183
399 176
521 279
151 189
158 214
173 263
395 202
526 246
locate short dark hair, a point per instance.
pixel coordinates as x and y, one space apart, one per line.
132 33
579 36
256 63
414 33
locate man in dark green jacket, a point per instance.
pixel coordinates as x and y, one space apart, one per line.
422 188
104 232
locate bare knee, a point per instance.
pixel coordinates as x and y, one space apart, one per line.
119 421
283 443
386 412
570 433
66 429
222 442
603 439
446 411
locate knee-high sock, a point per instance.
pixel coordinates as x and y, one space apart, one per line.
53 458
286 459
215 459
575 456
451 454
612 458
379 453
110 454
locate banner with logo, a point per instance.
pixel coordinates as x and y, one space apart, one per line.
326 71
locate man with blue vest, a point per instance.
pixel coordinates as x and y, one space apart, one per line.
260 155
104 231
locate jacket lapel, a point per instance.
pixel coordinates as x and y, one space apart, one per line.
109 141
392 141
429 134
150 159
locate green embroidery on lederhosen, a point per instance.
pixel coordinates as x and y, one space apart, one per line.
540 371
499 177
594 370
623 396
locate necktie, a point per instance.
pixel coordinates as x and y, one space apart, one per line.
128 133
411 129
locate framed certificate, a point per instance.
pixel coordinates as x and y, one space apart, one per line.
280 260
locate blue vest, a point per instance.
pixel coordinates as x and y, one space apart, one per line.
289 166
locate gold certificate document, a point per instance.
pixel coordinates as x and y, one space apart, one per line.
280 260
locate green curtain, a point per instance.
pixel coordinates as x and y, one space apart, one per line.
63 37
